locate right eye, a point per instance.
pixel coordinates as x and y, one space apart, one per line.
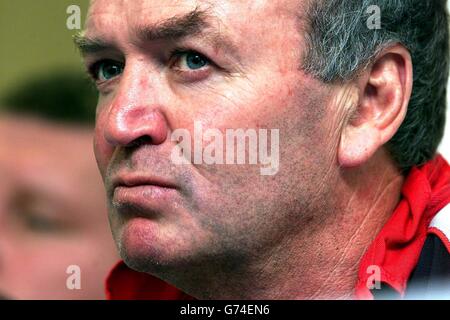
41 224
106 70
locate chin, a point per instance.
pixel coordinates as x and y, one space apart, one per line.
145 247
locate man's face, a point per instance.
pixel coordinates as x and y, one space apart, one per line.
237 66
52 212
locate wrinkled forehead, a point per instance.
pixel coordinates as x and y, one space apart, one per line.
148 10
106 16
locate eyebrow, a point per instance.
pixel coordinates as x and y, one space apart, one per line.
174 28
87 45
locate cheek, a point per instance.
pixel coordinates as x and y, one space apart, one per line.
102 149
101 155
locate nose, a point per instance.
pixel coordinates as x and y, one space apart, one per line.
136 114
131 125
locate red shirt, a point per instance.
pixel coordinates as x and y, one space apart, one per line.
395 250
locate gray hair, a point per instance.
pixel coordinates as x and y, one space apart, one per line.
340 45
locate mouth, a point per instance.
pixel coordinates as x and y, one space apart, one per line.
136 180
142 195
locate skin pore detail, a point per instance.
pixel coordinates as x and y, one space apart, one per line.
225 231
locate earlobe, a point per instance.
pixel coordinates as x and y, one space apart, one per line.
384 91
357 146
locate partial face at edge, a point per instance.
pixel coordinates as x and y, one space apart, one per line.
52 212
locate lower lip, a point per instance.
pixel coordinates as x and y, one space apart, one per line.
143 197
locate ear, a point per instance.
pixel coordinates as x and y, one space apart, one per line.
384 90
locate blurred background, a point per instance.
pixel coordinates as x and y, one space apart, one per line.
48 98
55 241
35 40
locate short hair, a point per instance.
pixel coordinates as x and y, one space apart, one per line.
340 45
61 96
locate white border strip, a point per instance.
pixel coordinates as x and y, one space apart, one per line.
441 221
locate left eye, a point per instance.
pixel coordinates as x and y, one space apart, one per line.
106 70
191 60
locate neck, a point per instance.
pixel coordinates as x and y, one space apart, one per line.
322 261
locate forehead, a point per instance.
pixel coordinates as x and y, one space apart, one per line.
105 14
53 163
27 143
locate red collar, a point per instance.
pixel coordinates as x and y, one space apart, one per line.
124 283
395 250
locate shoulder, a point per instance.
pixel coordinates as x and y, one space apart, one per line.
431 277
